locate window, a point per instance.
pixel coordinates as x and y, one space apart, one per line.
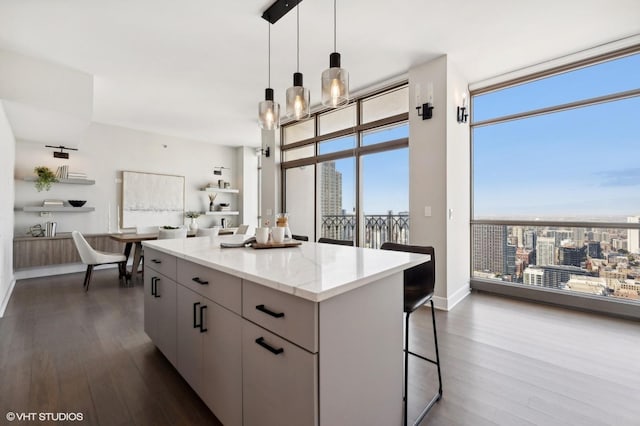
556 181
361 183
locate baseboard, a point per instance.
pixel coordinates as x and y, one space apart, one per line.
448 303
7 296
45 271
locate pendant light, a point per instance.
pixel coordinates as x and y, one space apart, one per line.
335 80
298 97
268 110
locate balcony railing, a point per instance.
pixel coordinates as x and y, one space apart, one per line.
377 228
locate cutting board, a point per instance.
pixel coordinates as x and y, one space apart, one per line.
271 244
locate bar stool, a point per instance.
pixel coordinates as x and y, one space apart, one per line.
419 283
334 241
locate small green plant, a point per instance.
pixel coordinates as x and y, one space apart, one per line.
170 227
45 178
192 214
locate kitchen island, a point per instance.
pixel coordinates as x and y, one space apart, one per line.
308 335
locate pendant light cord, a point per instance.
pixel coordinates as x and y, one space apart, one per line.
269 57
334 26
298 37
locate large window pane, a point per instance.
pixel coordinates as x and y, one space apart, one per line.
385 105
336 145
587 261
299 182
298 153
336 199
385 134
385 197
299 131
580 164
337 119
597 80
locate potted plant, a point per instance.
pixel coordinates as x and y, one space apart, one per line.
193 226
45 177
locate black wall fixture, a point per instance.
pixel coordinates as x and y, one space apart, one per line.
61 154
278 9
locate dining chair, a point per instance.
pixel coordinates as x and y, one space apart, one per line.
299 237
139 248
147 229
419 284
165 234
337 242
208 232
91 258
242 229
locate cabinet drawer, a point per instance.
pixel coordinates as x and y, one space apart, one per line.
224 289
287 316
278 388
160 262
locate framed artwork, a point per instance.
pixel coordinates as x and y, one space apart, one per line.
151 199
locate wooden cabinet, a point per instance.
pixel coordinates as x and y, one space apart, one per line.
279 379
160 312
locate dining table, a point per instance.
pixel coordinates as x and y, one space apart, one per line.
133 241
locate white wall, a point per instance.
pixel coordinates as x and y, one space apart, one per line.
247 166
104 153
270 178
439 167
7 145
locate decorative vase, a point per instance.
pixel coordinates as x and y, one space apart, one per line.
211 206
193 226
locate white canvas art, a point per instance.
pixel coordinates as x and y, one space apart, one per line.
150 199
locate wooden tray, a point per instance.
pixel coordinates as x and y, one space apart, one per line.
271 244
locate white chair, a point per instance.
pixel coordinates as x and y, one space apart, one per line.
91 258
242 229
165 234
147 229
208 232
138 256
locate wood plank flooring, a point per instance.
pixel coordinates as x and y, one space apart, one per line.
504 361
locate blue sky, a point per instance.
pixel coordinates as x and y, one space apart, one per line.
583 162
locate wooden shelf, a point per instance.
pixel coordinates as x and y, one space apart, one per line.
214 189
66 181
58 209
222 213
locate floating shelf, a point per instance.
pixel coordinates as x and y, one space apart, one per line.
68 181
58 209
214 189
222 213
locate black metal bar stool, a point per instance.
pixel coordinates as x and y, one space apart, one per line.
337 242
419 283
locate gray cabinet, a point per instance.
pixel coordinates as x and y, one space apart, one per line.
160 312
279 380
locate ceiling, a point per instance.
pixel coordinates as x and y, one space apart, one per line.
197 69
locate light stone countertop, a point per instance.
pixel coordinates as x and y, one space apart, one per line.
311 271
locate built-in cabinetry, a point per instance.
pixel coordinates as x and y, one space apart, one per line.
60 209
222 191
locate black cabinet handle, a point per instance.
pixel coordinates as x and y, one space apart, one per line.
195 315
156 261
261 342
156 293
202 329
199 281
153 286
261 308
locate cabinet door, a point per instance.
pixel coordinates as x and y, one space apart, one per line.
222 364
150 311
190 336
279 380
165 313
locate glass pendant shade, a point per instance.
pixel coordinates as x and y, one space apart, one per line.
269 112
335 83
298 99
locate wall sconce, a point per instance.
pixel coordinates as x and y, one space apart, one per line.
61 154
218 170
265 151
425 110
462 113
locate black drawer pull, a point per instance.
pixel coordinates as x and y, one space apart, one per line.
261 342
199 281
153 285
195 315
156 261
156 290
261 308
201 325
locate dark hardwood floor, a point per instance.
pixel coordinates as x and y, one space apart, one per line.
505 362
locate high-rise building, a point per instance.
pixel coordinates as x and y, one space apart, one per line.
530 239
594 249
633 236
331 189
550 276
571 256
490 249
545 251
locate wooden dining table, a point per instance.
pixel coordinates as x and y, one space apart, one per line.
134 240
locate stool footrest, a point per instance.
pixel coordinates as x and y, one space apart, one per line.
426 409
422 357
